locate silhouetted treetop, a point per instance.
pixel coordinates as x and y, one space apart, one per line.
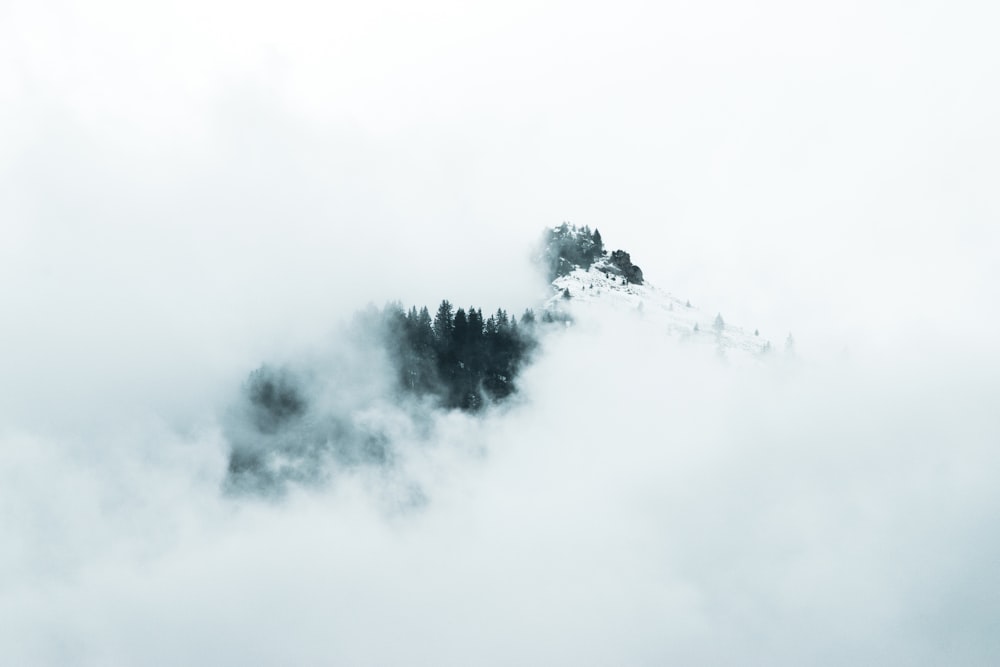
460 360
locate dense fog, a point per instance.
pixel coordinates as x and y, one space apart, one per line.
188 191
640 502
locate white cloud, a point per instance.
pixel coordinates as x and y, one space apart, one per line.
189 189
657 506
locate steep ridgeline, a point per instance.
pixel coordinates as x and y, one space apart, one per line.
292 423
583 275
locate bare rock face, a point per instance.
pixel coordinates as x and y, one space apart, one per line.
621 260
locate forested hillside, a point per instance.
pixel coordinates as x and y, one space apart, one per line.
459 356
292 421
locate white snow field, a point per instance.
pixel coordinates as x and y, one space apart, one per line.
676 317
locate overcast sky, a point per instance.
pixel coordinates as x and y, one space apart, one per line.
189 188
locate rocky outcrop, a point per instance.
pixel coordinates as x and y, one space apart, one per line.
621 260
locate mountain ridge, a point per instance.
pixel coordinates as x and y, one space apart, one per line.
295 423
612 280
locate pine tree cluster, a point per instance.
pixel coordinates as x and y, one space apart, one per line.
286 427
568 246
458 356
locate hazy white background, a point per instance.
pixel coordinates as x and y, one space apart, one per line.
191 187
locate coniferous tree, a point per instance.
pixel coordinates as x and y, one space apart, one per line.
598 244
444 323
477 339
460 329
502 321
475 324
425 331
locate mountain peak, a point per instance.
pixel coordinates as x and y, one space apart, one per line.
568 247
584 276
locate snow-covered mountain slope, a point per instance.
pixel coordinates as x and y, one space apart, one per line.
602 286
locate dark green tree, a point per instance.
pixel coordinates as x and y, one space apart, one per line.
460 329
444 323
